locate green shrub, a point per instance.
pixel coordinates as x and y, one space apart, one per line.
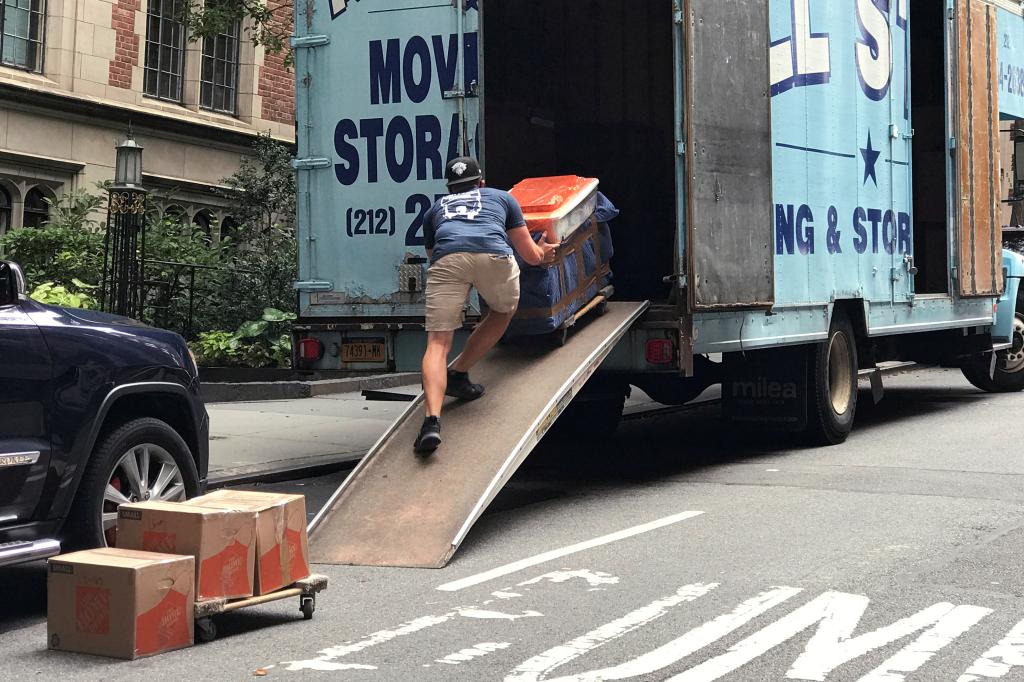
260 343
55 294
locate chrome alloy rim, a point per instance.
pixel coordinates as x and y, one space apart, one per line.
147 472
1014 359
840 380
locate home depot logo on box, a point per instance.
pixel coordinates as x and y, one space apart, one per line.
282 546
118 602
223 542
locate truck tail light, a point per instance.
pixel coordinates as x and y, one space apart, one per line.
310 350
659 352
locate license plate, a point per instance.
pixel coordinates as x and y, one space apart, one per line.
363 351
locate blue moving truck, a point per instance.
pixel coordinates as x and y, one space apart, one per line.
807 187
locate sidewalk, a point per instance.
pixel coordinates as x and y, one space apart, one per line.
257 440
265 440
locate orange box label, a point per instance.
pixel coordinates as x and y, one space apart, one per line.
226 573
299 565
271 576
161 542
92 610
165 626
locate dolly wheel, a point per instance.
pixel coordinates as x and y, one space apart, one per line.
206 630
307 605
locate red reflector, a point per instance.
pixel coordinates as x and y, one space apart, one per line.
310 349
660 351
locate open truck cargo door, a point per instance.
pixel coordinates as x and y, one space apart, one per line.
976 81
726 130
376 126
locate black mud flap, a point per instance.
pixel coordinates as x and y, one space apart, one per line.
767 387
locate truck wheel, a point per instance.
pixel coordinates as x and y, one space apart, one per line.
142 460
1009 371
832 392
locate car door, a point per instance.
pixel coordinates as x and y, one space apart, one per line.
25 377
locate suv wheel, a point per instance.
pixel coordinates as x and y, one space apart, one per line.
143 460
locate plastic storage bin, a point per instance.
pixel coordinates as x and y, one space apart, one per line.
556 205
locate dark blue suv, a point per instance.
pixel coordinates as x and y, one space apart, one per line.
95 410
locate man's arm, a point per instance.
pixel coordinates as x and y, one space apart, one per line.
530 251
429 232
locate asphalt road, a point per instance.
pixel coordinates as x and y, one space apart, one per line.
702 554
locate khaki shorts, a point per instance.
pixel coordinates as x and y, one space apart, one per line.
495 277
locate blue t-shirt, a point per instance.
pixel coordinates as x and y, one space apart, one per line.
472 222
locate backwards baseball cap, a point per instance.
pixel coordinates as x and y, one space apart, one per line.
462 170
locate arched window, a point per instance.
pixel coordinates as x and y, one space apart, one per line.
37 210
5 210
176 214
228 228
204 221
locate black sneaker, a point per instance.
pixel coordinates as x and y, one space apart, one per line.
430 436
459 386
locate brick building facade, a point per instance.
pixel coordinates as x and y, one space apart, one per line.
75 74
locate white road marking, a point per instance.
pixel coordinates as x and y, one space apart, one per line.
593 578
504 594
478 651
327 655
539 666
837 614
330 666
517 566
997 661
921 650
677 649
496 615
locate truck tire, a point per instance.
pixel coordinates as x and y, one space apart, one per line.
832 386
144 459
1009 370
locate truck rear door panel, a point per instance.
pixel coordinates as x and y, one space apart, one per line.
382 106
728 176
977 160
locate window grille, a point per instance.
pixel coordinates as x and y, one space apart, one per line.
165 50
22 27
218 87
37 209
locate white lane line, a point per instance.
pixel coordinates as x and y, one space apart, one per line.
516 566
1000 659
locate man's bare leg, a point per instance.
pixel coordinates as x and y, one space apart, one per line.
435 370
483 339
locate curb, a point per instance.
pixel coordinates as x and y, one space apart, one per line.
258 391
308 467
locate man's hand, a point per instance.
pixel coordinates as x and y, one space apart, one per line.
549 251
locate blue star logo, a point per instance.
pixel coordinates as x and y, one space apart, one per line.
870 159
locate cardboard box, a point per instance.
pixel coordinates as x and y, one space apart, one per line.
120 603
223 542
282 547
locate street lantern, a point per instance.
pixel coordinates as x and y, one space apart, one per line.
128 166
124 245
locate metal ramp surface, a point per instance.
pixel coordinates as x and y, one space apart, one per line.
396 509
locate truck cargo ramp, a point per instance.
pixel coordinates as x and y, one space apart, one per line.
396 509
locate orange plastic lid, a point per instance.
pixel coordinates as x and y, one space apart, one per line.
545 201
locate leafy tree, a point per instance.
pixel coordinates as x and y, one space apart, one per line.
263 190
269 21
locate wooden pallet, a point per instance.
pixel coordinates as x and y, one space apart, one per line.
305 589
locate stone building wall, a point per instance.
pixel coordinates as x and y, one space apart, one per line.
59 123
